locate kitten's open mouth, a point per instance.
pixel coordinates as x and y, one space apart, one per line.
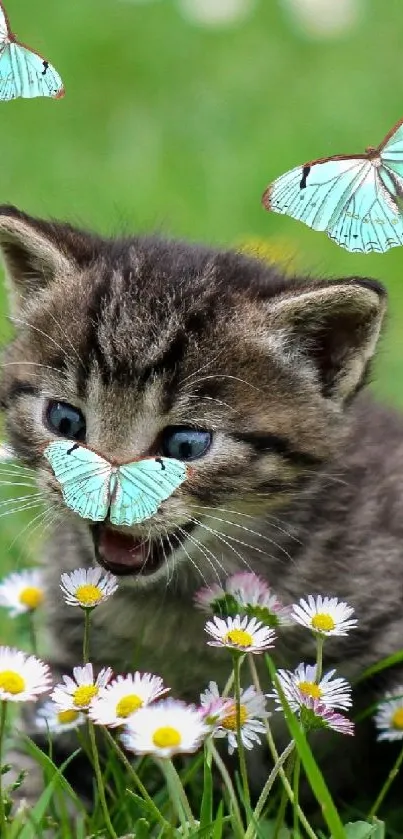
123 554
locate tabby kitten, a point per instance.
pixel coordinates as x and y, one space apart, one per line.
140 346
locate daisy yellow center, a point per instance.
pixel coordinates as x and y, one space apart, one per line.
11 682
83 695
323 622
229 720
88 595
31 597
128 704
397 719
64 717
310 689
238 637
166 737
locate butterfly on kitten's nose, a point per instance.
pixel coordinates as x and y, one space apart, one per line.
126 494
355 199
24 72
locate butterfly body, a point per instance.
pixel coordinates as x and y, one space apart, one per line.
24 72
127 493
355 199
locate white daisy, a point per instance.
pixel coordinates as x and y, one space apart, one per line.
77 693
254 595
314 714
22 677
324 615
209 598
50 719
389 717
252 714
240 633
301 683
247 587
125 696
245 593
167 728
87 587
22 591
213 706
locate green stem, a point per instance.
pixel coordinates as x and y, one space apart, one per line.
177 792
275 756
241 750
227 782
385 789
230 680
251 831
3 714
297 772
86 747
133 774
320 640
281 812
100 783
86 641
32 632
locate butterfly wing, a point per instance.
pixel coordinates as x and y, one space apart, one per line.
391 150
370 220
143 486
315 193
349 198
84 478
24 73
4 26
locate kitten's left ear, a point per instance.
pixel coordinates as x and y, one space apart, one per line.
332 329
35 252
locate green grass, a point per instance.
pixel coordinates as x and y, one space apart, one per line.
166 126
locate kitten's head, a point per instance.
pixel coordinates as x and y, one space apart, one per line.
140 346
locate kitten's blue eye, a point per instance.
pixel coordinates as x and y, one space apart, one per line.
185 443
65 420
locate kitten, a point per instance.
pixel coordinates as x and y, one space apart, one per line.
141 346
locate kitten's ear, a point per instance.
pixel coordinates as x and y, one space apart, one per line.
333 328
34 252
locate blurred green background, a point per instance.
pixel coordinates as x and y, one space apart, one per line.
178 127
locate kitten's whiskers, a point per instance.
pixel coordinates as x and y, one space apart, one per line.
206 552
222 539
247 529
191 560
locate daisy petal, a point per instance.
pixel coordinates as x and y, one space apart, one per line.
22 591
87 587
22 677
124 696
244 634
167 728
324 615
389 717
77 693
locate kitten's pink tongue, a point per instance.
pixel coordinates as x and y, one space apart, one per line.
121 549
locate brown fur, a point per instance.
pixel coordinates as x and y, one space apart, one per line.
303 482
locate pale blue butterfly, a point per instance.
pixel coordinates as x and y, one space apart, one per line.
24 72
126 493
353 198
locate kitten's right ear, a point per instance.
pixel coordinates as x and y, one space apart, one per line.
34 252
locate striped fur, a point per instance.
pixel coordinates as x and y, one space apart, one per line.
303 482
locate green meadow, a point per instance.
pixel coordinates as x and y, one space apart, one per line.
171 127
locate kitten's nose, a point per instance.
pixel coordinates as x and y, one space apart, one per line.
119 455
